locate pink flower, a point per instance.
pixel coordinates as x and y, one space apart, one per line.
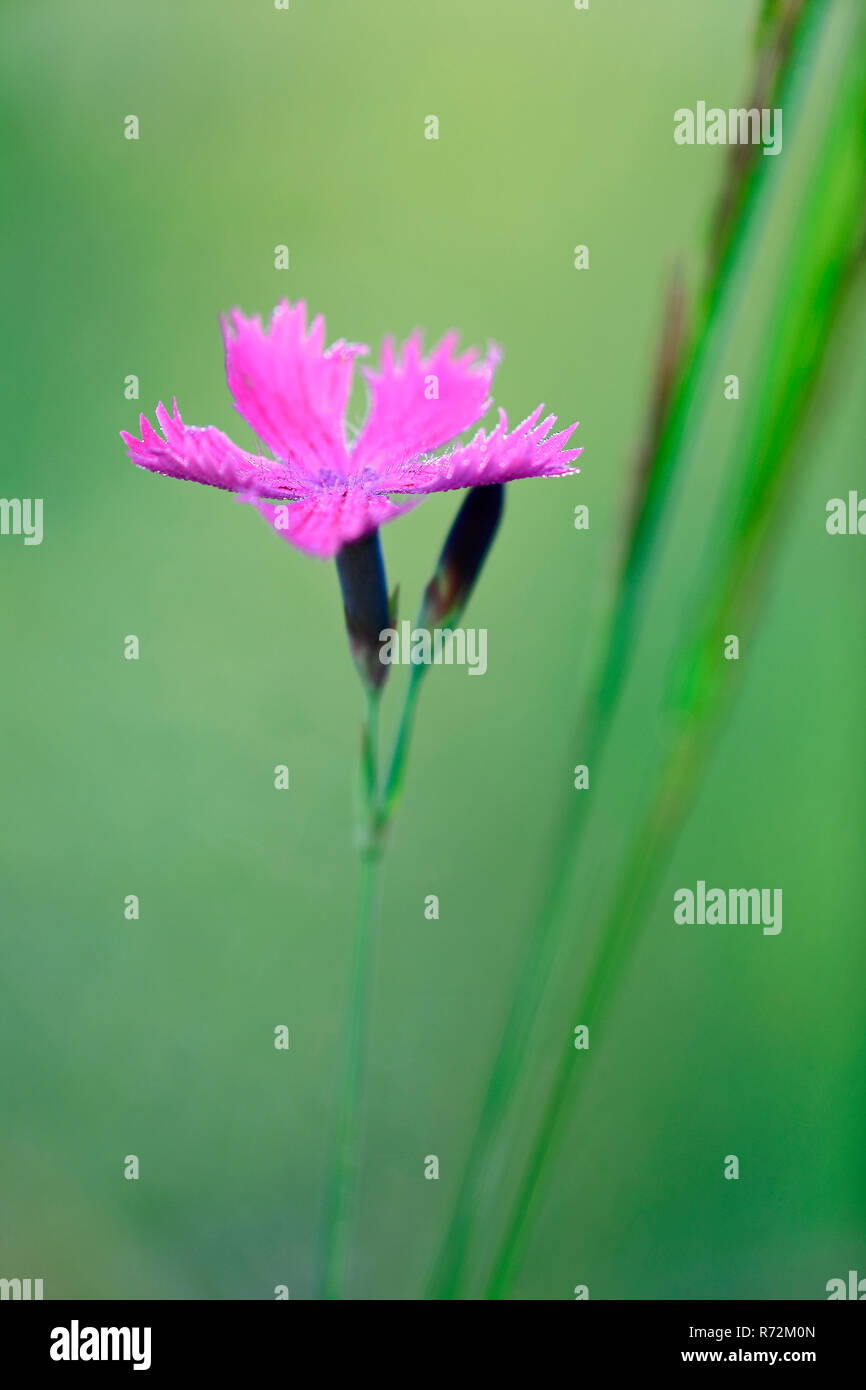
320 491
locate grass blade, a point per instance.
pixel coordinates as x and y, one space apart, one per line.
827 250
788 31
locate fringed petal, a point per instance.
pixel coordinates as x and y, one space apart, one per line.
208 456
419 403
529 451
290 388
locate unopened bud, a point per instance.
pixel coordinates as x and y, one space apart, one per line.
463 556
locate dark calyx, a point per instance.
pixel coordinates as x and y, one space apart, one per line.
361 572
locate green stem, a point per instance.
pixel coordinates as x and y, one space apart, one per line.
397 768
341 1194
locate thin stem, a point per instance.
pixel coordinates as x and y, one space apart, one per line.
362 580
375 818
341 1194
397 768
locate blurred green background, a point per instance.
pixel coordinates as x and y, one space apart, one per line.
155 777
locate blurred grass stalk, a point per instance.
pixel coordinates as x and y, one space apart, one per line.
826 251
786 40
